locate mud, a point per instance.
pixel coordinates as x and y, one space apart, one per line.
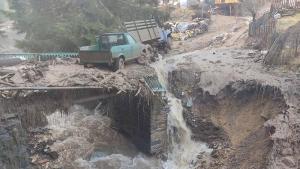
234 121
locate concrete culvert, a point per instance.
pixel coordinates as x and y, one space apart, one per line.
64 128
232 121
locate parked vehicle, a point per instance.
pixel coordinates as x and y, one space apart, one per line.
141 40
112 49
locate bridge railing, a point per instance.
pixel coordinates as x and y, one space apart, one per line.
38 56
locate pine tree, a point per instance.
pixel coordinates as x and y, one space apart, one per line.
65 25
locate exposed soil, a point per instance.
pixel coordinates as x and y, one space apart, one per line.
246 121
232 121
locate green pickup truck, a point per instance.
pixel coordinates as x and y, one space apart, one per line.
113 49
138 43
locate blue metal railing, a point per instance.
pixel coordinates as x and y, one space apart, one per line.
38 56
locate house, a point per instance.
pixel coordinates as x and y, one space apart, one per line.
179 3
228 7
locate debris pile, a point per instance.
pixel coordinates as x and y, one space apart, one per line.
108 80
39 146
185 30
5 77
38 75
34 72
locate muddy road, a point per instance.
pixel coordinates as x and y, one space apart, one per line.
224 31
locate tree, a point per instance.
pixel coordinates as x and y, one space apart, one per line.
65 25
252 6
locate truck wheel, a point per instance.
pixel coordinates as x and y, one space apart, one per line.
142 60
119 64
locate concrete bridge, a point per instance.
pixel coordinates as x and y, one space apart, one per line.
140 115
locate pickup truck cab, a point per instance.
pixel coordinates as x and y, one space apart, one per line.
113 49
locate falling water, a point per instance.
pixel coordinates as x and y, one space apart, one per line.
110 149
183 151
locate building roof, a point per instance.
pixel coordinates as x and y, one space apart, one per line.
226 1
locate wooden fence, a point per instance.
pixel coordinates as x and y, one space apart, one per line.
264 29
290 4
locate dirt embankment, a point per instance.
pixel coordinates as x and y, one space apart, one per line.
224 31
232 121
67 73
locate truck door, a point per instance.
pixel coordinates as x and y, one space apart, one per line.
124 46
136 48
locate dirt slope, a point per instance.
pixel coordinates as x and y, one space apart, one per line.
232 30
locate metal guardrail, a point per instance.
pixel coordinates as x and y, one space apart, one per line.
154 85
38 56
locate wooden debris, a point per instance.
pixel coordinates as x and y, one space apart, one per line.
138 92
8 84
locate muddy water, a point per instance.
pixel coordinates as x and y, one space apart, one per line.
184 153
85 140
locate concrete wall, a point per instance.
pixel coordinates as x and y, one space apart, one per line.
159 125
143 121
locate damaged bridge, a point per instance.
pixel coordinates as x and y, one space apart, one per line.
136 107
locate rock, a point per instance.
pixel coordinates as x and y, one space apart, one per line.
287 151
215 154
54 155
12 145
43 161
289 161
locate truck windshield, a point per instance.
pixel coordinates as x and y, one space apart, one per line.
107 41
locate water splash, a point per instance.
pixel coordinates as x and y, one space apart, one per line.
85 140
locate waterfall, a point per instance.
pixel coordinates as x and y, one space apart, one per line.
183 151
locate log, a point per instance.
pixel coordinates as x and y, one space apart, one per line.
9 75
8 84
108 78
